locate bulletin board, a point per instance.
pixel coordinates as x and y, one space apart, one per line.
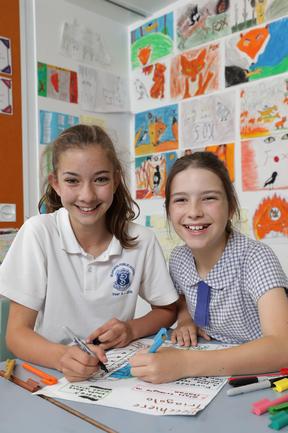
11 177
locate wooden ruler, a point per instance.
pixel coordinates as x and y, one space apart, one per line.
32 386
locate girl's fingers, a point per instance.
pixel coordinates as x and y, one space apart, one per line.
203 334
186 335
173 337
193 337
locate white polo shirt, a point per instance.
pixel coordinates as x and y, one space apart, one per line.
46 270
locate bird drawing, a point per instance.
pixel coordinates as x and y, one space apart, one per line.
271 179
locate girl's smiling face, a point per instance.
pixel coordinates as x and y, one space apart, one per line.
86 182
199 211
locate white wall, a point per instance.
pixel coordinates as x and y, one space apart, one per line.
248 200
41 26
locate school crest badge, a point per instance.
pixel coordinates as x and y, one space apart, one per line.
123 275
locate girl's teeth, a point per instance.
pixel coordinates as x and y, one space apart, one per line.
195 228
86 209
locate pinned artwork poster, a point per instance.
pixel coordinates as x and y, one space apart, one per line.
246 14
264 109
270 219
6 238
84 44
195 72
52 124
5 56
166 236
200 22
101 91
6 105
208 120
257 53
264 163
151 174
225 152
156 130
150 85
151 41
57 83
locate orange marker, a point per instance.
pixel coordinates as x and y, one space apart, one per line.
46 378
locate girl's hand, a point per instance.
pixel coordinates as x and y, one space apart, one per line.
186 333
162 366
114 333
77 365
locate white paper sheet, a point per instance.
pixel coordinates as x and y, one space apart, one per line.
182 397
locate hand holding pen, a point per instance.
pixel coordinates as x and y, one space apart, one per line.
114 333
157 366
79 365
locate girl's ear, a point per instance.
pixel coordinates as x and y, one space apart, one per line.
53 181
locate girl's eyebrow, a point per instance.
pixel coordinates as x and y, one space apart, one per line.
213 191
71 173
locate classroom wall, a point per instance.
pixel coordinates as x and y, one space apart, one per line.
11 181
152 209
48 21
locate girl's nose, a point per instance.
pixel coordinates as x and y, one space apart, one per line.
194 209
87 192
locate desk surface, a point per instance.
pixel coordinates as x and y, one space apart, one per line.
22 411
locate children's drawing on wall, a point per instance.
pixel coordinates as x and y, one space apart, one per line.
150 85
83 44
225 152
45 164
166 236
6 105
87 119
6 238
156 130
257 53
208 120
242 223
151 174
270 220
152 40
195 72
5 55
245 14
102 91
200 22
57 83
264 163
52 124
264 108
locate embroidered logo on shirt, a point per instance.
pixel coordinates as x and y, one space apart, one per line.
123 275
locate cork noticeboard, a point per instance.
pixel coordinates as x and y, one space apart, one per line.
11 171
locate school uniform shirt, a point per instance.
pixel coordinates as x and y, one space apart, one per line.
46 270
244 273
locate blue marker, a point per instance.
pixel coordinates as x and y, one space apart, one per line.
159 339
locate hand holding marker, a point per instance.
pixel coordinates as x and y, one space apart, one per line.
159 339
83 346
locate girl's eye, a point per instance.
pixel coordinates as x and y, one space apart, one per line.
210 197
102 179
179 200
71 181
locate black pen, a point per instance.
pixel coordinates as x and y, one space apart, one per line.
242 381
83 346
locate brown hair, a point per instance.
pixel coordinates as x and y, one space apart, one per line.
121 210
208 161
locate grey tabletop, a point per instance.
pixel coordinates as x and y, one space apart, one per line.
22 411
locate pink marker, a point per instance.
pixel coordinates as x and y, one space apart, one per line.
262 406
